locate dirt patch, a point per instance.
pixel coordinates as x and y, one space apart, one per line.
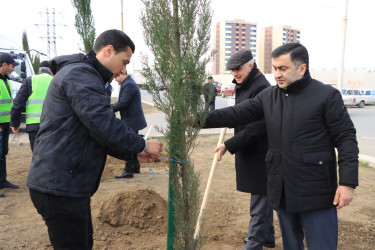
131 213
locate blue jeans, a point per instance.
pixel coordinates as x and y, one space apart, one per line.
261 223
319 227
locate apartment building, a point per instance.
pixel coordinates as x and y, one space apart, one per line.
232 36
269 39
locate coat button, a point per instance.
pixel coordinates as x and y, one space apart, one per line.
320 162
286 94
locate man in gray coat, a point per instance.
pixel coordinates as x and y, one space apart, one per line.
130 107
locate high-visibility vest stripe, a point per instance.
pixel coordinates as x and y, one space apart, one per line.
6 101
34 104
33 115
35 101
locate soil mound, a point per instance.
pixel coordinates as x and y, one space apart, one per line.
138 207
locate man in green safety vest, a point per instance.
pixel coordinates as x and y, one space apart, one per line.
30 98
7 64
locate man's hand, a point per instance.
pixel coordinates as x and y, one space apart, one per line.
221 149
146 158
154 147
344 195
15 130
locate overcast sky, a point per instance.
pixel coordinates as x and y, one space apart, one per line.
320 22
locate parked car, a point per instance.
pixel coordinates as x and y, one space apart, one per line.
369 96
228 91
353 97
218 88
161 86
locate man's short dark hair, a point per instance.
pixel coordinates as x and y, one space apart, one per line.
298 53
118 39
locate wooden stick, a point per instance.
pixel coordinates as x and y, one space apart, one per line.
148 132
208 187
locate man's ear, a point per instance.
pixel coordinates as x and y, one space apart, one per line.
108 50
302 69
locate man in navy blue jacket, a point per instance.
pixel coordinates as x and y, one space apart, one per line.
130 107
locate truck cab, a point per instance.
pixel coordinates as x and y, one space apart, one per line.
23 70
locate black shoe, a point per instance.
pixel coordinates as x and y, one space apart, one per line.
137 171
124 174
2 194
7 184
268 244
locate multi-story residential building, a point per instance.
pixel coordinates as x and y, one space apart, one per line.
269 39
232 36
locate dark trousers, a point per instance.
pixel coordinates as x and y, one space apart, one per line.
4 141
261 223
319 227
68 220
210 105
32 136
132 165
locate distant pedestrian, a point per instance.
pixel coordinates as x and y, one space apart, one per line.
7 64
30 97
209 92
130 107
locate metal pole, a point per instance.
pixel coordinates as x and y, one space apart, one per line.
122 16
341 69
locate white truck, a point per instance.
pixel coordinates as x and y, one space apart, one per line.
23 70
353 98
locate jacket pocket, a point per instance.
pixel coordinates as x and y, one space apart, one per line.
316 171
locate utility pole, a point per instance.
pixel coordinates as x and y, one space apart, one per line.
341 68
51 32
122 16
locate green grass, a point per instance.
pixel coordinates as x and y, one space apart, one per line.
364 164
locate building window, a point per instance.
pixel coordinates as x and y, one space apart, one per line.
253 35
253 40
227 24
227 44
227 29
227 34
253 45
237 24
243 45
228 49
253 26
227 54
227 39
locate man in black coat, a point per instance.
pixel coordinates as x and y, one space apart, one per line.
129 105
249 144
305 121
78 128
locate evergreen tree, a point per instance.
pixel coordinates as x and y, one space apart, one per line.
35 58
178 33
84 22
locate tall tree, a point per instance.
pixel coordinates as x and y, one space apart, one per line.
35 58
84 22
178 33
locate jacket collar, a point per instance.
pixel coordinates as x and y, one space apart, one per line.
299 84
104 72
